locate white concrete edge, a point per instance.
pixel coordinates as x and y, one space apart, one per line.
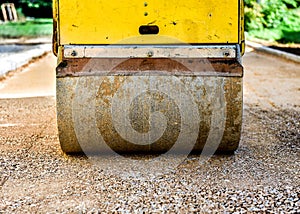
12 62
261 48
25 41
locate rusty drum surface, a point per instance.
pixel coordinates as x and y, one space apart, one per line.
149 105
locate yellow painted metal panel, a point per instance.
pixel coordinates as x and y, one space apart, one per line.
118 21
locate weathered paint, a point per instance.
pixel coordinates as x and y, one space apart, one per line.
116 21
55 27
149 66
150 51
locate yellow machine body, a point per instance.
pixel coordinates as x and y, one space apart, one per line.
116 21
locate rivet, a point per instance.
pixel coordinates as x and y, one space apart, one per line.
226 54
74 53
150 54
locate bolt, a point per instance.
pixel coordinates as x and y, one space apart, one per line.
74 53
226 54
150 54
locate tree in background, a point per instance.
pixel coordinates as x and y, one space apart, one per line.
268 13
33 8
277 20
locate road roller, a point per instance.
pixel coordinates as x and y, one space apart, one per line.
149 76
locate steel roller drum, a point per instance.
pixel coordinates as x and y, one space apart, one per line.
149 105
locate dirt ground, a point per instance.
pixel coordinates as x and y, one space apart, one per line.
263 174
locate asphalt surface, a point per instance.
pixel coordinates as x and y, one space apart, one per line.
262 176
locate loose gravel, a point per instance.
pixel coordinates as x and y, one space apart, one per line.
36 177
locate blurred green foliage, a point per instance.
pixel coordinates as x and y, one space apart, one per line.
37 3
30 28
33 8
30 3
274 20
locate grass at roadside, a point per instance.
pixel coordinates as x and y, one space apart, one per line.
29 28
275 35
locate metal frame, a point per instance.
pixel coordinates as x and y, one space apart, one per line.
151 51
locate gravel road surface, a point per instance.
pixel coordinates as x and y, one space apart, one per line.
263 174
